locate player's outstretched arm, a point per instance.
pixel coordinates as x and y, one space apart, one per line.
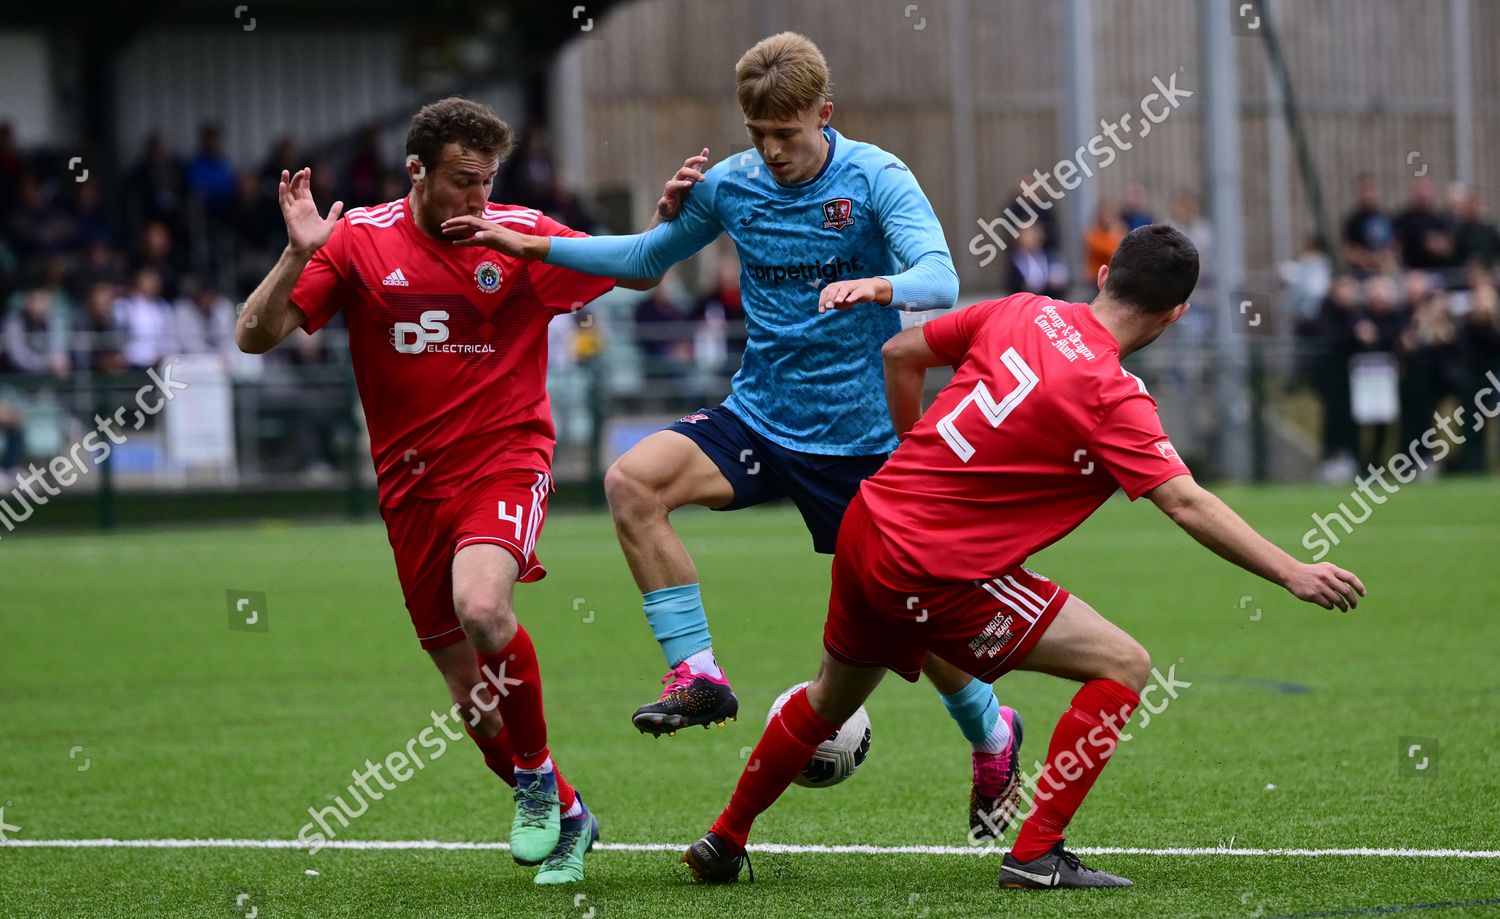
269 315
642 255
906 356
1212 522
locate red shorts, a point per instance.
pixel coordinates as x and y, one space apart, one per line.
985 627
507 508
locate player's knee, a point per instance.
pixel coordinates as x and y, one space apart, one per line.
1131 664
489 623
628 489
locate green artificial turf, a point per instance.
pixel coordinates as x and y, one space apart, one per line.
1291 735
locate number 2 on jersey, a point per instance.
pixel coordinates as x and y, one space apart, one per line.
994 412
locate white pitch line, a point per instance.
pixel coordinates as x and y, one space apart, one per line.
775 847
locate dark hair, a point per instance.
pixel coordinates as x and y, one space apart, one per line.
1154 269
469 124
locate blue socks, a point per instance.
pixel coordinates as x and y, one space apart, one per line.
977 712
679 623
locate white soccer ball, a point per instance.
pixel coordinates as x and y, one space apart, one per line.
837 757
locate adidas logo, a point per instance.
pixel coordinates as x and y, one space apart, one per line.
396 279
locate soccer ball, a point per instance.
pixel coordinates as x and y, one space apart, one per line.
837 757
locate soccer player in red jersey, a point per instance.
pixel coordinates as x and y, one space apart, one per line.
1039 426
449 350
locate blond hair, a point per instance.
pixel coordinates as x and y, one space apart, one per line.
781 76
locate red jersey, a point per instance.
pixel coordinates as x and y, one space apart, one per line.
449 344
1038 428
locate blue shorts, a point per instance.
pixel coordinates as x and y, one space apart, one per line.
762 470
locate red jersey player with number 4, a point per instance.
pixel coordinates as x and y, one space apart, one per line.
449 348
1039 426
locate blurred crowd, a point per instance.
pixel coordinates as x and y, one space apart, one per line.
1411 320
101 279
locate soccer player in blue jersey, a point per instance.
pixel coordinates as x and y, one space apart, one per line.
832 234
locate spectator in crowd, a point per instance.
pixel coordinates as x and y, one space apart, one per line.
1424 236
254 231
12 442
1367 231
155 188
1307 279
529 177
663 329
1101 239
1187 217
1376 330
89 219
366 166
282 156
11 166
722 308
1033 269
1476 241
1136 211
252 218
36 228
1330 375
1046 217
1431 362
204 320
210 177
36 336
146 320
156 252
98 335
1479 339
100 261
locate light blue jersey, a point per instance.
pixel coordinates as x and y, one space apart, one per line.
810 382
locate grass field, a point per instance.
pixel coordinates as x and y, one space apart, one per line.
130 710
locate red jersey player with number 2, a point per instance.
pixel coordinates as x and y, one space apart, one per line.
1039 426
449 348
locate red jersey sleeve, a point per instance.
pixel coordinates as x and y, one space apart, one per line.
564 290
949 336
316 293
1131 444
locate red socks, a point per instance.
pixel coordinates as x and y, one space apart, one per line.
515 678
784 749
498 755
1085 738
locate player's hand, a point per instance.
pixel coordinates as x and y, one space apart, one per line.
1327 585
306 231
472 231
677 187
843 294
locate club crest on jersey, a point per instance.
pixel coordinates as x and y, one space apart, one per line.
838 213
487 277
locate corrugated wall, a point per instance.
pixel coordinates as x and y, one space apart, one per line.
1374 79
310 84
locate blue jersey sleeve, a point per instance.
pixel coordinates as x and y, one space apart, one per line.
648 254
916 239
